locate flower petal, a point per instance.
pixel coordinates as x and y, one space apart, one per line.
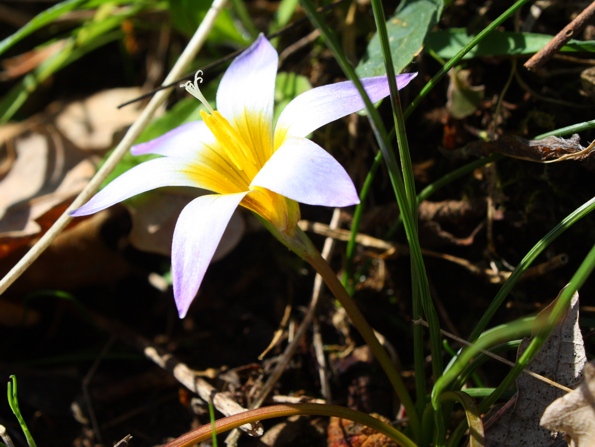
304 172
196 237
144 177
321 105
248 85
246 95
185 141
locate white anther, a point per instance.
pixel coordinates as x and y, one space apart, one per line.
192 88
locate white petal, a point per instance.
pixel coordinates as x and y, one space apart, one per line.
196 237
144 177
248 85
321 105
185 141
306 173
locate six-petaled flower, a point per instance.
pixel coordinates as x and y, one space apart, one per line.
239 154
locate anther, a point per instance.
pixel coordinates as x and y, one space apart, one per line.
192 88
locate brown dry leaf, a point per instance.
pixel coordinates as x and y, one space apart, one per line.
24 63
561 359
153 222
343 432
574 413
42 169
546 150
46 172
14 314
91 124
78 257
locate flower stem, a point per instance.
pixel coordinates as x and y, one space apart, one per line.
300 244
283 410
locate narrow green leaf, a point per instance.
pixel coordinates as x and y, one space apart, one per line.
39 21
186 16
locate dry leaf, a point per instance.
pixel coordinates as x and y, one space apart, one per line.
574 413
78 257
561 359
24 63
42 176
343 432
41 169
91 124
546 150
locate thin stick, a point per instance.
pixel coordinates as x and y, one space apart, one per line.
560 39
268 386
500 359
135 130
181 372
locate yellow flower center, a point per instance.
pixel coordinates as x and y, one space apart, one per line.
242 148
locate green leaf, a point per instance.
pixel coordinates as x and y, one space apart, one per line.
39 21
447 43
187 15
407 30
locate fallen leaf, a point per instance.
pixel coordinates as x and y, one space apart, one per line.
22 64
343 432
45 161
561 359
91 124
546 150
42 176
574 413
78 257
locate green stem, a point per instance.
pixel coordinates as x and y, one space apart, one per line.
421 297
557 313
298 242
358 320
347 278
400 194
274 411
541 245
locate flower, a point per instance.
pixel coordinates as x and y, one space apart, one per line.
239 155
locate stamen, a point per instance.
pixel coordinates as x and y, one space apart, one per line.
192 88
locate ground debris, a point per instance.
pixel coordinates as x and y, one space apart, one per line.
561 358
574 412
546 150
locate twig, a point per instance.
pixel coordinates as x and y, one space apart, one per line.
393 250
5 438
87 381
179 370
500 359
232 438
560 39
124 441
135 130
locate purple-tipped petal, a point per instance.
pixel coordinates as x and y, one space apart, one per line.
144 177
196 237
321 105
306 173
248 85
185 141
